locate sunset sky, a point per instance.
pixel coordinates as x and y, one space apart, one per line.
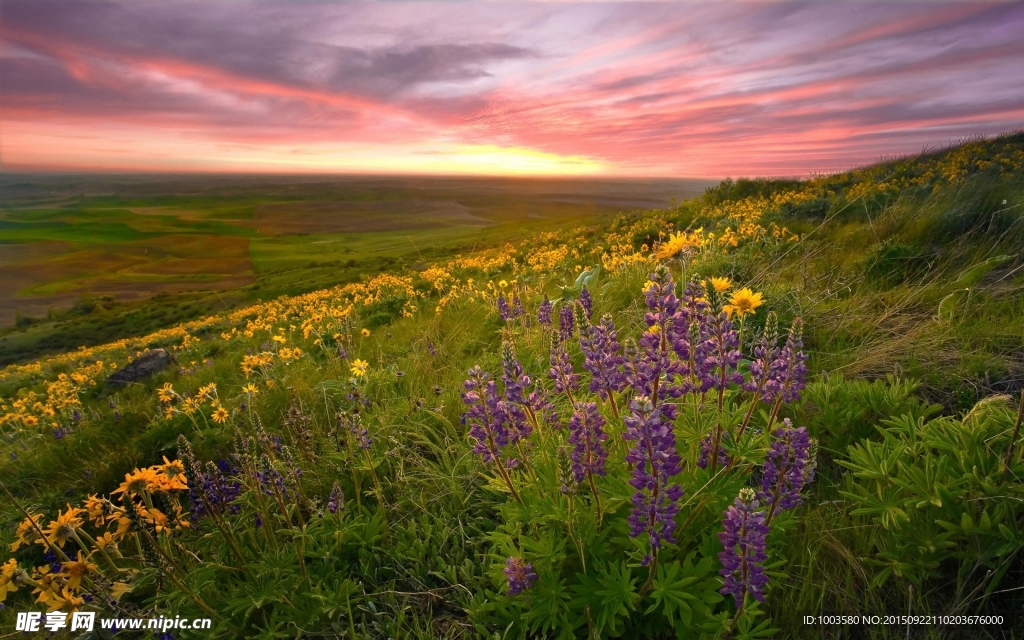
614 89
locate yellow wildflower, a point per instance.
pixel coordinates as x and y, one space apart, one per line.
366 333
359 367
26 531
743 302
721 285
73 570
166 392
220 415
8 571
59 531
138 482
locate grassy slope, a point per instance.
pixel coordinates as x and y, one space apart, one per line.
880 251
83 256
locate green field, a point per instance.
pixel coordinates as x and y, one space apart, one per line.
110 244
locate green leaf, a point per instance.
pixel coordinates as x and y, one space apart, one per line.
974 273
610 597
951 303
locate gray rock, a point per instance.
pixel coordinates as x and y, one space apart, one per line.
148 364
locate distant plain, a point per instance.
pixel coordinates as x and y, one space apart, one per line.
83 255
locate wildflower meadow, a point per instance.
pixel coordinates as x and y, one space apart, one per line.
779 403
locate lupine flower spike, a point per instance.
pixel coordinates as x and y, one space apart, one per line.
788 371
586 301
544 312
486 421
655 462
520 575
761 383
744 540
604 361
565 322
561 371
517 306
503 311
786 470
588 454
336 501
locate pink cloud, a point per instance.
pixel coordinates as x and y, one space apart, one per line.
632 89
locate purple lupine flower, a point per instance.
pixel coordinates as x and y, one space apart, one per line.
503 311
654 459
512 375
788 370
786 468
336 501
744 541
586 301
604 358
522 398
705 451
586 436
764 354
723 340
565 322
654 371
517 306
544 312
215 486
432 349
520 574
689 335
354 424
484 416
561 371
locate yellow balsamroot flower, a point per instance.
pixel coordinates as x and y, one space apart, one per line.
220 415
171 475
67 601
73 570
721 285
106 541
503 284
45 586
8 571
250 389
359 367
366 333
166 392
30 421
59 531
26 532
743 302
100 510
138 482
